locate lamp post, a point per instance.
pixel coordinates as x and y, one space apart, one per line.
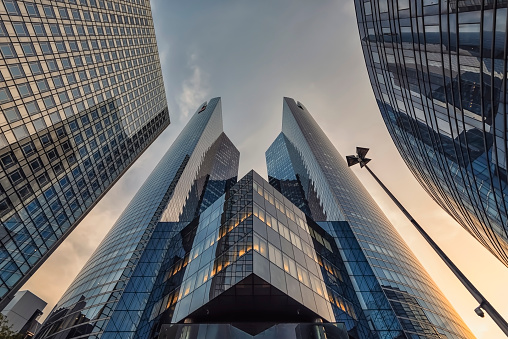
360 158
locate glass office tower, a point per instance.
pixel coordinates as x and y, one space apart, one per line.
197 254
397 296
438 71
110 292
81 97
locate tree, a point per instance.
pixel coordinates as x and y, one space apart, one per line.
6 331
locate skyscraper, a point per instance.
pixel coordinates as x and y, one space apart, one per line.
398 297
110 292
81 97
438 71
198 254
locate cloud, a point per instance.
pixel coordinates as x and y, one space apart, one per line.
194 90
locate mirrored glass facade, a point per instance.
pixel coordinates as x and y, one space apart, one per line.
438 71
109 294
198 254
397 296
81 97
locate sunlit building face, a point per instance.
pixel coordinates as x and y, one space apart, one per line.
81 97
438 71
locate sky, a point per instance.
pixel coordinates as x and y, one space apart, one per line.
252 54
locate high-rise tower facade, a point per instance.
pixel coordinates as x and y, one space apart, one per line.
81 97
398 297
110 293
438 71
198 254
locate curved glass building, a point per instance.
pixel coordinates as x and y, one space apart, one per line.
438 71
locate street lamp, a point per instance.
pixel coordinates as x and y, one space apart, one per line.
360 158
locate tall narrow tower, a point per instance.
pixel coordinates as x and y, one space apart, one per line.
397 295
110 292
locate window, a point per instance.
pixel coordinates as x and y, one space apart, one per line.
48 11
24 90
42 85
68 30
5 95
46 139
73 46
52 65
39 29
35 165
11 7
52 154
20 29
60 132
46 48
60 47
16 71
7 51
75 14
12 114
35 67
43 179
76 94
16 177
66 63
55 30
20 132
28 49
58 81
28 149
78 61
63 97
39 124
71 78
8 160
63 13
31 9
32 107
55 117
49 102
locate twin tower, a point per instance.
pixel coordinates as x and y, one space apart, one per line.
200 254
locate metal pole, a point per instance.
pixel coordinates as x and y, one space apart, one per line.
484 304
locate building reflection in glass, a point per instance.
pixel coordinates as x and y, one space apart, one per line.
438 71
